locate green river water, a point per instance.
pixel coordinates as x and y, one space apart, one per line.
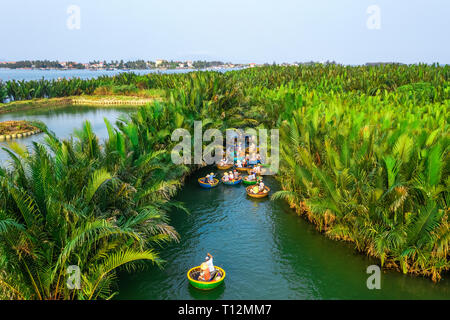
63 121
267 251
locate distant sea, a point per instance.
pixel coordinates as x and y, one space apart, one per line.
36 74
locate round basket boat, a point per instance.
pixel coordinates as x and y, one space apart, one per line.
248 182
232 182
207 185
225 167
257 195
193 274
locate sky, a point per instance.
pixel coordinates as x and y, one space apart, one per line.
240 31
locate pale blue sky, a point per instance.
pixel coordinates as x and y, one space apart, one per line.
233 30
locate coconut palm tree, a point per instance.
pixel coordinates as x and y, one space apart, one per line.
62 207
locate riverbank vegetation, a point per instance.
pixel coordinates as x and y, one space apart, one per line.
74 202
365 173
124 84
102 97
364 156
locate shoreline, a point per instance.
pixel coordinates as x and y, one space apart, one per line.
155 70
92 101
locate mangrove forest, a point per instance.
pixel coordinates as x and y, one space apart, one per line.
364 158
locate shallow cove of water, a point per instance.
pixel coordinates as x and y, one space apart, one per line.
64 120
267 251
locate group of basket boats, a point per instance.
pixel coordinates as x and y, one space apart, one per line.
194 273
249 183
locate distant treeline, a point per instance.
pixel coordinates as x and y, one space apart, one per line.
38 64
123 65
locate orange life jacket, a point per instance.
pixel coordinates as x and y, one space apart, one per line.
206 275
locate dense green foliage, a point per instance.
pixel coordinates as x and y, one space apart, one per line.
3 92
76 203
364 156
365 173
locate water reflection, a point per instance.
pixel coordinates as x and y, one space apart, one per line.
215 294
63 121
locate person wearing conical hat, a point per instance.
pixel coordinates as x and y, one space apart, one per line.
225 177
211 177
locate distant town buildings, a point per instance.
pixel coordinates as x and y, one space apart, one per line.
159 62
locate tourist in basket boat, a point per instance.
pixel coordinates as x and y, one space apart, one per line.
261 186
209 262
205 275
208 271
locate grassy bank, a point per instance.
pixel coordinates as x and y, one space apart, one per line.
92 100
34 104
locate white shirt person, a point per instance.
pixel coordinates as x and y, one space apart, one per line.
209 263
